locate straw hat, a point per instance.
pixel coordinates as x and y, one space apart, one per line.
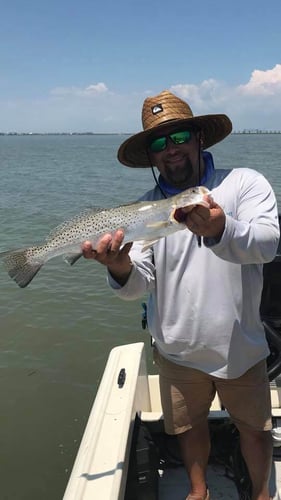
164 109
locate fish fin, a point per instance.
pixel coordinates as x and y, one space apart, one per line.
19 268
159 224
148 244
72 258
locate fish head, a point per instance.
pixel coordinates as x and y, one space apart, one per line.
187 200
197 195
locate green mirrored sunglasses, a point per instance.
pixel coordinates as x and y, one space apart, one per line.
160 143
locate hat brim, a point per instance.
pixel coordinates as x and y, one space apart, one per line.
133 152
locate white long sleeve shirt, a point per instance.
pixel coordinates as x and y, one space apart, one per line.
203 308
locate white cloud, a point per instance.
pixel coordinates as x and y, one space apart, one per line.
95 107
91 90
99 88
72 109
256 104
263 83
208 93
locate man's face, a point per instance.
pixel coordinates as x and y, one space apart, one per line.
177 163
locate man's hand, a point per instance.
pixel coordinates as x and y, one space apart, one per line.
108 252
203 221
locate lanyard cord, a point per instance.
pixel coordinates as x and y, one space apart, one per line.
199 157
156 181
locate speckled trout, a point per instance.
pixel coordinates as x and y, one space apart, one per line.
145 221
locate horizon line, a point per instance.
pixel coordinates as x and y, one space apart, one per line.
234 132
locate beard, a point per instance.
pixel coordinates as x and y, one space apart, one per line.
181 174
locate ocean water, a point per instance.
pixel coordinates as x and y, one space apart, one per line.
55 335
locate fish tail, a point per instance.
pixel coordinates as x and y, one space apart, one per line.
21 266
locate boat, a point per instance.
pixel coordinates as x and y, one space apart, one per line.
126 455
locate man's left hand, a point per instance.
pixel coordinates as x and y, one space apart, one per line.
208 222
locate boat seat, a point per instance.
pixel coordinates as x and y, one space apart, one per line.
156 413
275 393
216 410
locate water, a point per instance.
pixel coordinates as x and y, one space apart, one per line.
57 333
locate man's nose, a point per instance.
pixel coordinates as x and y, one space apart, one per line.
171 146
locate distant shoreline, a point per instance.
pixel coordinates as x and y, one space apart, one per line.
238 132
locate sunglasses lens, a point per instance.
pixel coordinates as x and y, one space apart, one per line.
158 144
181 137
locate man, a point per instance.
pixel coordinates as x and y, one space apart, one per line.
203 310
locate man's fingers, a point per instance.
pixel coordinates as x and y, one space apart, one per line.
106 248
116 241
126 248
87 250
200 213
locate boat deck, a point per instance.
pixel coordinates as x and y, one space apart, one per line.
107 452
173 481
174 484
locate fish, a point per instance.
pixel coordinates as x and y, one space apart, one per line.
145 221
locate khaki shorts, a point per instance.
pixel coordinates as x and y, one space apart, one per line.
187 394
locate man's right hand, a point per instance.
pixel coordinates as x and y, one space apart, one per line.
108 252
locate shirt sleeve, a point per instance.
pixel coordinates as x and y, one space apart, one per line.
142 277
252 234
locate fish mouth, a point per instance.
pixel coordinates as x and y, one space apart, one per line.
179 215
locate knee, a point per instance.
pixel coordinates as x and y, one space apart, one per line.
254 437
197 432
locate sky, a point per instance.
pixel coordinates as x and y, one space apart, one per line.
87 66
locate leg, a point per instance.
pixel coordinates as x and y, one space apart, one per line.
195 450
247 399
186 396
256 448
